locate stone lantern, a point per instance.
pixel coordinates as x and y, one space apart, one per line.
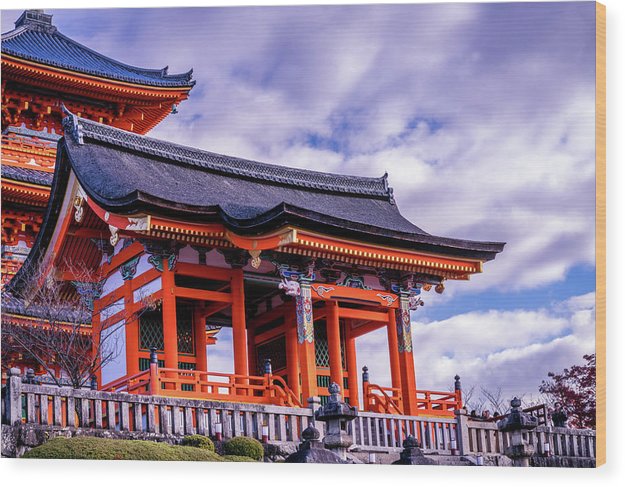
337 415
311 450
515 423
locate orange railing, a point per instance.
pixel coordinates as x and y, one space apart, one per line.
267 389
438 403
381 399
134 384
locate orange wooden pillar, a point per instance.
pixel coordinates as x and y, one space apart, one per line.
306 340
333 325
239 333
292 353
406 359
393 350
96 333
199 325
170 327
132 331
352 366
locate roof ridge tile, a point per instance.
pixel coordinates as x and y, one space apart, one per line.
356 185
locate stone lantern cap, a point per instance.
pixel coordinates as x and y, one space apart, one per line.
517 420
335 408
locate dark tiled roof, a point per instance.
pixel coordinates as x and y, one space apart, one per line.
26 132
24 175
195 158
12 305
250 197
36 39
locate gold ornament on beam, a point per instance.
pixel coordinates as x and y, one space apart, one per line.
255 262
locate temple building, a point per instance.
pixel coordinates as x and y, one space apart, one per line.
42 69
298 264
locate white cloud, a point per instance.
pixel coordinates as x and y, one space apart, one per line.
513 350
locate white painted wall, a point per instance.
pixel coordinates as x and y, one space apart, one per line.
113 341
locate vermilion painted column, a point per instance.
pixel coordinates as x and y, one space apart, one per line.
239 333
352 366
333 325
199 324
292 355
199 332
170 328
95 338
306 340
393 351
251 352
132 331
406 359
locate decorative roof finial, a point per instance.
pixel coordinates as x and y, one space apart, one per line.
36 20
71 125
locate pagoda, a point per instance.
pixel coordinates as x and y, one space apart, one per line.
299 264
42 70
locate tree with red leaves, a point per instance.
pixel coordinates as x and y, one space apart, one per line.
575 389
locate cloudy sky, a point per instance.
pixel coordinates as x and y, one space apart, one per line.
483 115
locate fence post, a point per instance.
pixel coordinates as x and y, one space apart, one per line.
458 392
13 408
462 431
365 388
153 372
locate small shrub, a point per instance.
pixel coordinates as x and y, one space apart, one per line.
199 441
245 447
90 448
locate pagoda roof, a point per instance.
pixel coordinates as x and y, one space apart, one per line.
26 132
24 175
14 306
250 198
36 39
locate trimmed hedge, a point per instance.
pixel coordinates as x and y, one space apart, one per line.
199 441
90 448
245 447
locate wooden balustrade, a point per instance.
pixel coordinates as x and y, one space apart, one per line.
379 399
386 432
267 389
484 438
438 403
53 406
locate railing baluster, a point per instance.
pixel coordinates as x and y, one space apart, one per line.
189 429
43 408
200 421
71 411
57 411
150 417
271 423
97 413
137 416
177 420
282 427
84 412
124 416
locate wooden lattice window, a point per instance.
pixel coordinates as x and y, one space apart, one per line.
275 350
151 331
184 325
322 353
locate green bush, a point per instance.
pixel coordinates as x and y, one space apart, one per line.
199 441
90 448
245 447
237 458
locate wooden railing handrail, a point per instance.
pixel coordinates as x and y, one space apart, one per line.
124 381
